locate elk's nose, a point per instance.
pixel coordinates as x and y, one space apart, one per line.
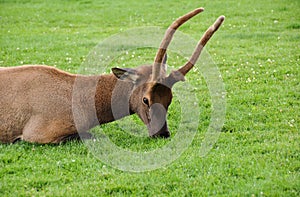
163 133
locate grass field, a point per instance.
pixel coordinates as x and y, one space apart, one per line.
256 51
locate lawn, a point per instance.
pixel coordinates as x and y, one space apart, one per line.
257 53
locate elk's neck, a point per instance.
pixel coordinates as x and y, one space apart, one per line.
112 98
99 99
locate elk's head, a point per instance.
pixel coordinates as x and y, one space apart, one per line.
152 92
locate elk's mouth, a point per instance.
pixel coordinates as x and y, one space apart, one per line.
162 133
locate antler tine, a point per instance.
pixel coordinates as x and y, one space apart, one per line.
167 39
205 38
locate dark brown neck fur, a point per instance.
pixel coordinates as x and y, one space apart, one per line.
112 98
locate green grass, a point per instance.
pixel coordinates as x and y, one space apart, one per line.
257 53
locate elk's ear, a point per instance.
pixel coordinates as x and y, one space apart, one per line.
126 74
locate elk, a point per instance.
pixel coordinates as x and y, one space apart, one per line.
38 103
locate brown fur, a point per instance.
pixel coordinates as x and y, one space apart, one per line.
45 105
36 102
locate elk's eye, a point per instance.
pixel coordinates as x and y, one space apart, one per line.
146 101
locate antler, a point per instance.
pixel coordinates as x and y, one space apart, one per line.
205 38
167 39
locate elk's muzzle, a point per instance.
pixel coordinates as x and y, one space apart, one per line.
158 126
